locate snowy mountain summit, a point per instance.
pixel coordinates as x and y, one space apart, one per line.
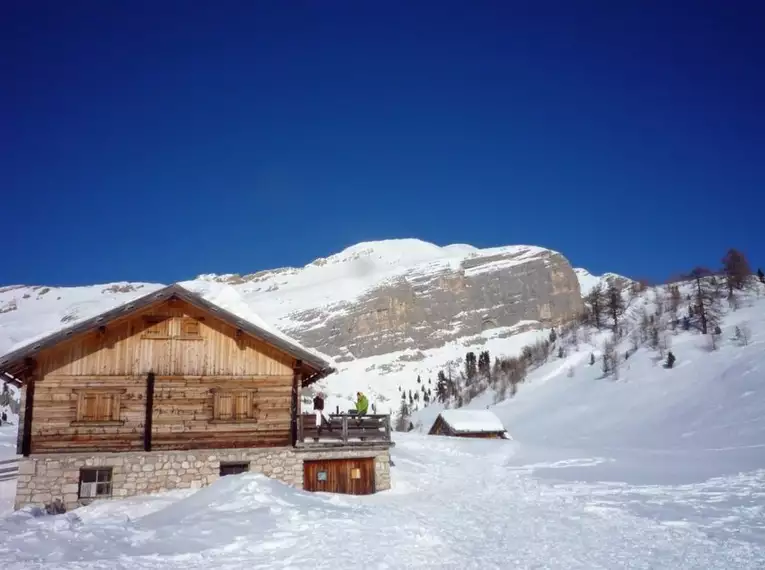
374 298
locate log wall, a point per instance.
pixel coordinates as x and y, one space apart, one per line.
192 355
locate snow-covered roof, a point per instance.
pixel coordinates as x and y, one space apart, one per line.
472 421
224 302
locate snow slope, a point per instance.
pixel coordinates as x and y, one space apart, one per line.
703 418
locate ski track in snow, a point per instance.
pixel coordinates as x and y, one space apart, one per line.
455 504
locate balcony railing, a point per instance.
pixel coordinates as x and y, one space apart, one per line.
344 430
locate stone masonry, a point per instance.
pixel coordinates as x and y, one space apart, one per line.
44 478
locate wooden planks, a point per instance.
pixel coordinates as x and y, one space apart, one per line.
346 476
177 340
181 413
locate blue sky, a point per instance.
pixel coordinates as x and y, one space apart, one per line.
155 141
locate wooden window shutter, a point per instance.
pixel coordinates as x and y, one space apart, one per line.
88 408
190 327
98 406
233 405
224 406
243 405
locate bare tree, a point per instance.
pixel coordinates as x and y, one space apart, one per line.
665 343
673 304
635 339
736 270
712 341
706 298
610 358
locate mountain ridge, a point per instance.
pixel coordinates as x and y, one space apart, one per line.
389 290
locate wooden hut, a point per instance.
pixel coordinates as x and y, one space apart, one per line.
171 391
469 423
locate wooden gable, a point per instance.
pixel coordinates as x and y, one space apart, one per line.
172 338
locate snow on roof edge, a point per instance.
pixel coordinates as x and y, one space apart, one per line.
461 420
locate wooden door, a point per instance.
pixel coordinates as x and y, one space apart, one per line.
346 476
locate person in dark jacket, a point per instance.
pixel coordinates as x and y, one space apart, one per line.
318 408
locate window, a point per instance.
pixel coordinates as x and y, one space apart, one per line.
233 468
98 406
190 328
156 327
95 483
233 405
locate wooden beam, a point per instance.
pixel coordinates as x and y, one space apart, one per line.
149 411
29 399
295 400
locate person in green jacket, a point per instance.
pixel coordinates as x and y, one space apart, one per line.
362 404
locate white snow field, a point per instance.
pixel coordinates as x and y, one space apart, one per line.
456 504
659 469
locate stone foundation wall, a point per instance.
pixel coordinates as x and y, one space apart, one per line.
44 478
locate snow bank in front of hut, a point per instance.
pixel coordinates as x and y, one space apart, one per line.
455 504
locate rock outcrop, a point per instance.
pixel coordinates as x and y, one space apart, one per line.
433 303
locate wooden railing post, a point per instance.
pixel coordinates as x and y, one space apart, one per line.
345 429
301 437
387 428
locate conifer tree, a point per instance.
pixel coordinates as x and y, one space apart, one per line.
761 275
484 364
594 302
471 367
402 421
614 305
442 387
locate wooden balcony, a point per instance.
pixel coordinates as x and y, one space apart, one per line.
344 430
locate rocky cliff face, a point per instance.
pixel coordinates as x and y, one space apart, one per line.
371 299
430 305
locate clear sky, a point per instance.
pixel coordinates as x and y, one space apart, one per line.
156 140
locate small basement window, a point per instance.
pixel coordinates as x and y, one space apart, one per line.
233 468
95 483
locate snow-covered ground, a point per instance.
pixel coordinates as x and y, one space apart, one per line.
658 469
455 504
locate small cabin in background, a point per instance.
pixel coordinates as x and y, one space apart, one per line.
469 423
171 391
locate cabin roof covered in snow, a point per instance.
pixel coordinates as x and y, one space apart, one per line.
250 324
472 421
